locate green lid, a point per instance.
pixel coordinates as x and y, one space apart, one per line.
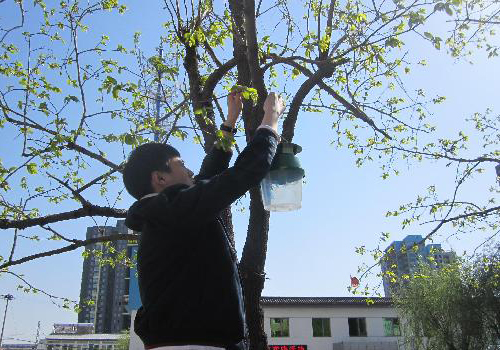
285 159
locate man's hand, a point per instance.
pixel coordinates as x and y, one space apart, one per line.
234 106
273 108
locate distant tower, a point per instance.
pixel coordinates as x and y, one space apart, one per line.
402 258
105 285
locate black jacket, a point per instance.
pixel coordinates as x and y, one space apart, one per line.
188 281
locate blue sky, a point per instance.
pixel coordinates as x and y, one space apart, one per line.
310 251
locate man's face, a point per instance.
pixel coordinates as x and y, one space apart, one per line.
179 174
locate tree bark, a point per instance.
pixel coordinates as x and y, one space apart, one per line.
254 252
201 98
252 269
205 121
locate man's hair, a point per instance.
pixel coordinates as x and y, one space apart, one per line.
141 162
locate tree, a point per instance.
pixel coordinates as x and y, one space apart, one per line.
342 58
447 308
486 286
473 155
124 340
475 23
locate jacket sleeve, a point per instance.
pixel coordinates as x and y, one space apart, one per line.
207 198
215 162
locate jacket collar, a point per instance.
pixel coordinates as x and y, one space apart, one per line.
149 195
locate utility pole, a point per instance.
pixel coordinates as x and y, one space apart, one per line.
37 336
158 92
7 298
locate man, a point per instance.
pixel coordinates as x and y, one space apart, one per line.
188 280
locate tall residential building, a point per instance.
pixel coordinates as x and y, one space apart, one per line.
402 258
107 286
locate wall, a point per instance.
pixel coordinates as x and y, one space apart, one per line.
135 341
301 327
300 321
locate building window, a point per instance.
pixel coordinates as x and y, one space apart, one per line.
357 327
321 327
391 327
280 327
126 322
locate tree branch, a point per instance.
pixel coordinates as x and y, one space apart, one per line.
20 3
211 53
36 290
256 75
71 247
305 88
80 149
76 194
350 107
92 210
328 30
70 145
441 156
214 78
96 180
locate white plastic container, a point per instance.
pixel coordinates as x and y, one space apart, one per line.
282 187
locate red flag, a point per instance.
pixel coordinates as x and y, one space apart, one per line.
354 282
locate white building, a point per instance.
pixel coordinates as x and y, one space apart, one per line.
80 342
78 336
325 323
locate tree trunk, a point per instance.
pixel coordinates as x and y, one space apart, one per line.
254 253
227 219
252 269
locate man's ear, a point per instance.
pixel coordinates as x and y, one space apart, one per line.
158 179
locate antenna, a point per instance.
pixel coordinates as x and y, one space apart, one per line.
158 92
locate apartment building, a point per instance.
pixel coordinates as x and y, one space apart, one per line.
105 285
402 258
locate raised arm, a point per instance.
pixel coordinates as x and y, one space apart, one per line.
207 198
217 160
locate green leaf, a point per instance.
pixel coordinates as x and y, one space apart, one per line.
129 139
238 88
71 98
393 42
116 91
32 168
